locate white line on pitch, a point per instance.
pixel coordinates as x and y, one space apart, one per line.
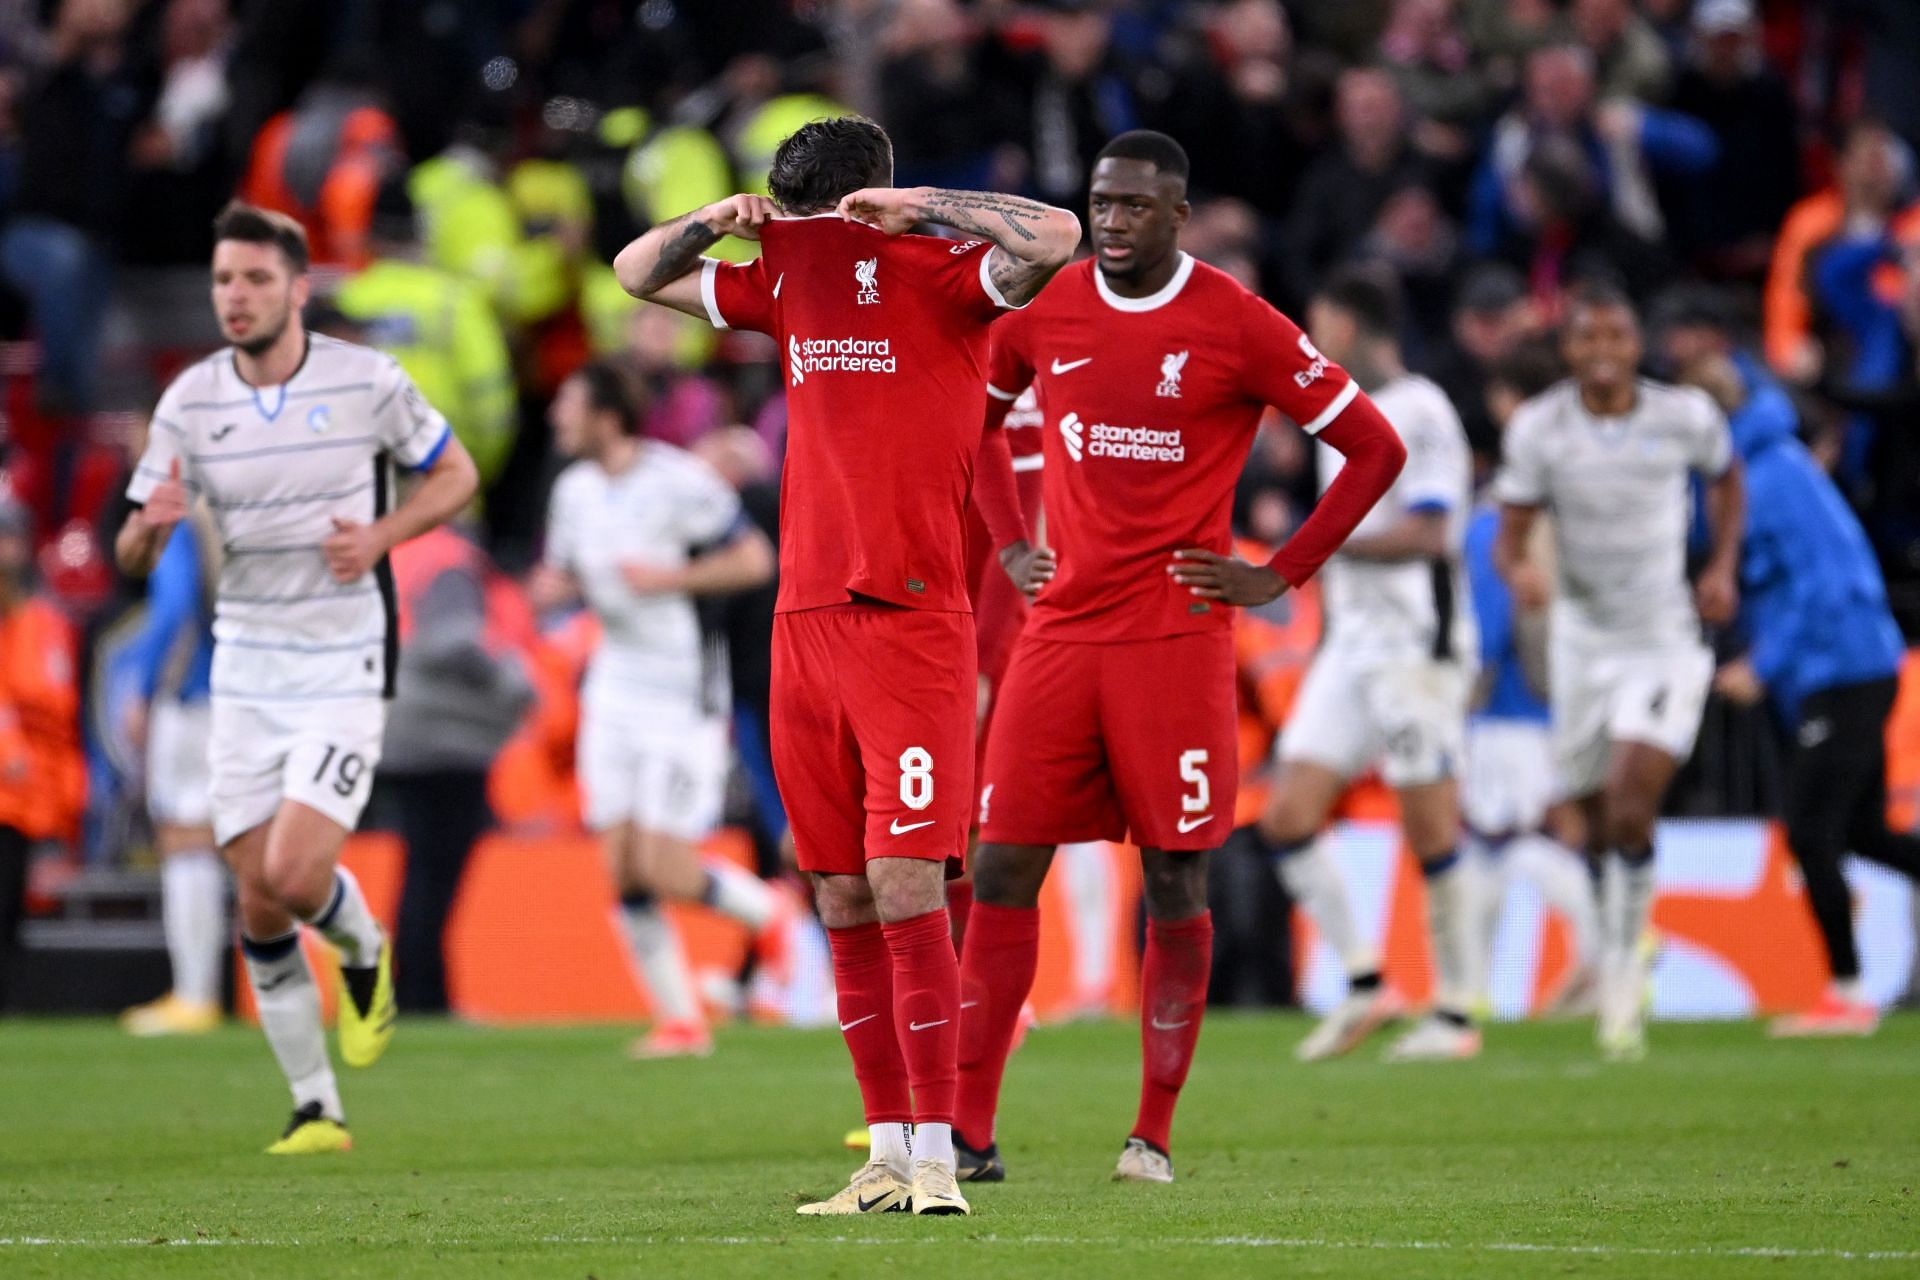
1214 1242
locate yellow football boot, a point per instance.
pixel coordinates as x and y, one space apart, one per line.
311 1133
170 1016
367 1010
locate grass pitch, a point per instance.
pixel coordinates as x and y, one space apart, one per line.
484 1153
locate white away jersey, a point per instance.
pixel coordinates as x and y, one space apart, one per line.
276 465
1407 608
1621 502
659 512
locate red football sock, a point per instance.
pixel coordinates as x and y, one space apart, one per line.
926 1011
1173 996
863 982
996 974
959 906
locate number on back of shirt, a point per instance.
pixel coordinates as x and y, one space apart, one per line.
346 774
916 778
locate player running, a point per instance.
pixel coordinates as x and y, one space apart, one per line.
639 529
170 716
1608 454
1389 687
291 438
1118 716
884 340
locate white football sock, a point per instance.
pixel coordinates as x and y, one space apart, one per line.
1316 884
348 923
193 915
738 895
1636 899
1089 885
656 947
1449 923
1486 874
893 1143
289 1004
934 1142
1561 878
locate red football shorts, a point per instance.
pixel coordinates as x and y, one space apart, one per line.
1114 741
872 713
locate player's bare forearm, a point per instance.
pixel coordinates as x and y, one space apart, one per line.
1727 516
1035 239
744 563
1419 535
1513 558
664 254
443 493
138 545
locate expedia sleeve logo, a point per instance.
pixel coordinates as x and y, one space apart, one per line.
839 355
1316 365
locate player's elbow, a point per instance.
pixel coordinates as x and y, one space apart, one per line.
630 269
757 560
461 474
1059 238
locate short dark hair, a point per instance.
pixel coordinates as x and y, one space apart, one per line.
1597 293
1149 146
611 390
1530 368
824 160
1370 293
253 225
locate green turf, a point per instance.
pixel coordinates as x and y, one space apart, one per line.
546 1153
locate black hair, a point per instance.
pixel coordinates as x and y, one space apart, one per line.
1598 293
251 225
1370 293
824 160
1149 147
610 390
1530 368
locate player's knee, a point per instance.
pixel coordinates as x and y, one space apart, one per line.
1288 819
299 888
260 913
1174 884
1630 819
905 888
1009 875
843 901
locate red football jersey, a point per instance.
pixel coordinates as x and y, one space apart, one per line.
884 340
1151 407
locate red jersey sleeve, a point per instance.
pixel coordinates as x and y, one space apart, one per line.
737 295
959 270
1009 371
1281 367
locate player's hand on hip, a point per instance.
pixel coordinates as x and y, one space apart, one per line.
166 506
1739 683
1030 567
352 549
1716 596
1211 576
740 216
894 210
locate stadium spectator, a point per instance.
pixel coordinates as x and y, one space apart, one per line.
1345 189
1434 64
42 777
1873 188
938 108
1630 59
1825 654
77 122
680 402
322 163
1492 315
1727 222
461 693
181 172
1070 96
1626 145
438 326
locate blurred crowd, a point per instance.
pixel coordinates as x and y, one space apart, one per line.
467 169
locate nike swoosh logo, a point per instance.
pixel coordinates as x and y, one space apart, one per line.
1192 824
925 1026
272 983
848 1026
899 830
1059 368
868 1206
777 283
969 1004
1169 1026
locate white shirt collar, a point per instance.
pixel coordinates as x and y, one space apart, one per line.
1153 301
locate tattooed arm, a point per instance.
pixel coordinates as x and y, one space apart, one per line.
1034 240
659 265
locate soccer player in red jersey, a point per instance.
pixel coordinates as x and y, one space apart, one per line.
1117 716
883 340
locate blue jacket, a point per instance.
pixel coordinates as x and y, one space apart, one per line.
1509 697
176 617
1812 598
